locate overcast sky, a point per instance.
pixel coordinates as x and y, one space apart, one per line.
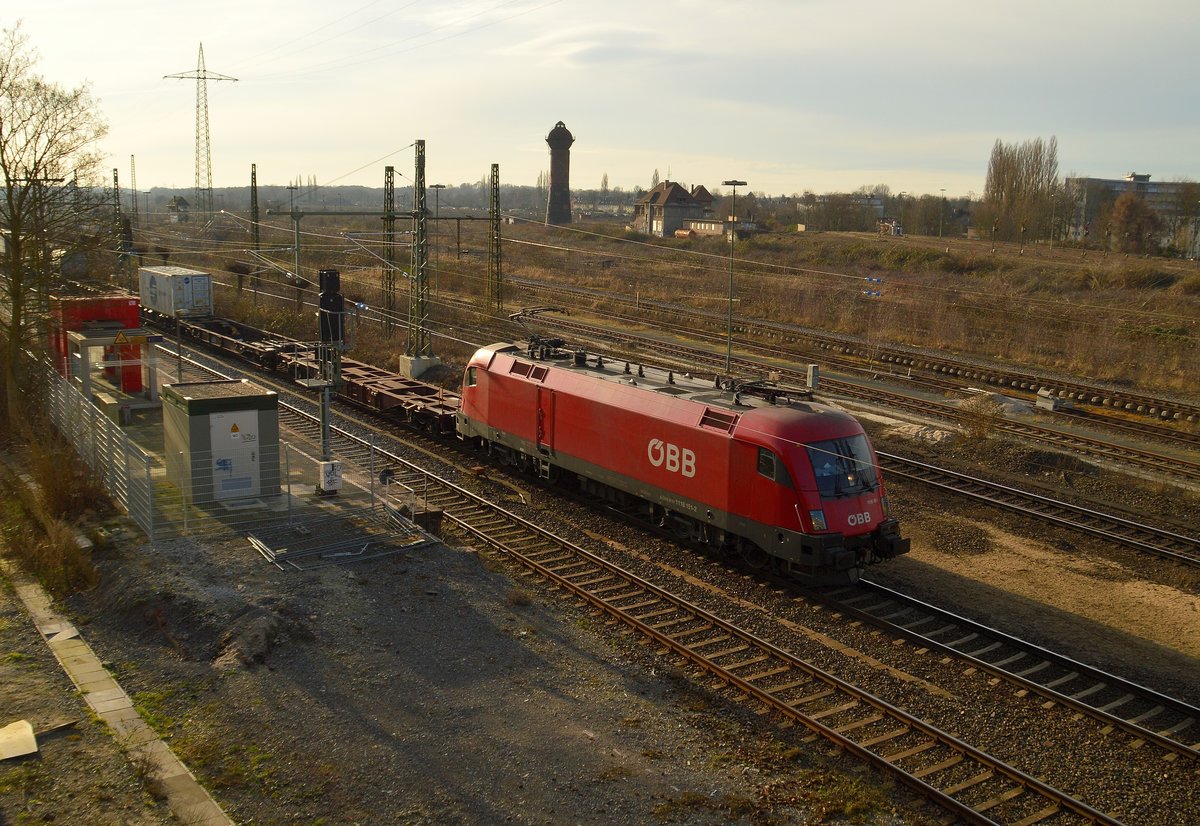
788 95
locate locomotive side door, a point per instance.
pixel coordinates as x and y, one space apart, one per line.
545 419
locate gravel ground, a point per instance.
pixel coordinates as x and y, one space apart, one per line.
427 688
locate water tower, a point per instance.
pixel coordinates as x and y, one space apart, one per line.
558 206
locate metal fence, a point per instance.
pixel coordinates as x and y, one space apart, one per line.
173 494
120 464
269 493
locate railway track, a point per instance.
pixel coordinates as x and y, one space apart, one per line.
1147 716
1137 428
936 373
859 355
1161 542
1098 448
1104 449
1157 541
964 780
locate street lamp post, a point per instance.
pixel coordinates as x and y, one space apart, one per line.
941 211
729 316
437 244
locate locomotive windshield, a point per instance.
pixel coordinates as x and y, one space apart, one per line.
842 467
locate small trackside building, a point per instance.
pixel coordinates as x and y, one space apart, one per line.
221 439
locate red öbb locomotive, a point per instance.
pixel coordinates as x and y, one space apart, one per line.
745 468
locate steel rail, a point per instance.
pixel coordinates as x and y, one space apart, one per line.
1095 447
652 610
772 662
1163 739
1098 448
981 636
1158 541
1003 377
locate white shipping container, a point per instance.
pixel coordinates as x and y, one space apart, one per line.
176 291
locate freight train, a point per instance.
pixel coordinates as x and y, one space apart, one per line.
749 468
745 468
179 301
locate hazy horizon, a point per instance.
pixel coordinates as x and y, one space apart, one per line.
787 95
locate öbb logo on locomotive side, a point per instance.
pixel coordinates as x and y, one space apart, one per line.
863 518
674 458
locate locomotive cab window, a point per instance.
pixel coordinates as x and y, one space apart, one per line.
471 376
770 467
842 467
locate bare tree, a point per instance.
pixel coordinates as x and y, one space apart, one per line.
542 189
1183 221
48 160
1022 181
1135 224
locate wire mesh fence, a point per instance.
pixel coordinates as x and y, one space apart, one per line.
231 488
224 476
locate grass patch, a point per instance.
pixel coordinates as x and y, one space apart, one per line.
152 705
619 772
46 548
40 521
518 598
67 488
228 765
22 778
831 796
720 759
681 805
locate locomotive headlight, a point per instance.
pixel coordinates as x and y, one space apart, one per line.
818 520
887 508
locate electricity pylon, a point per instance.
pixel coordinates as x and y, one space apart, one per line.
204 194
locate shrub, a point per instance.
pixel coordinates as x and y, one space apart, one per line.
53 555
1142 277
1188 285
898 257
980 415
38 530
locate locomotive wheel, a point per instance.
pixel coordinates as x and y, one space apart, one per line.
682 530
753 556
